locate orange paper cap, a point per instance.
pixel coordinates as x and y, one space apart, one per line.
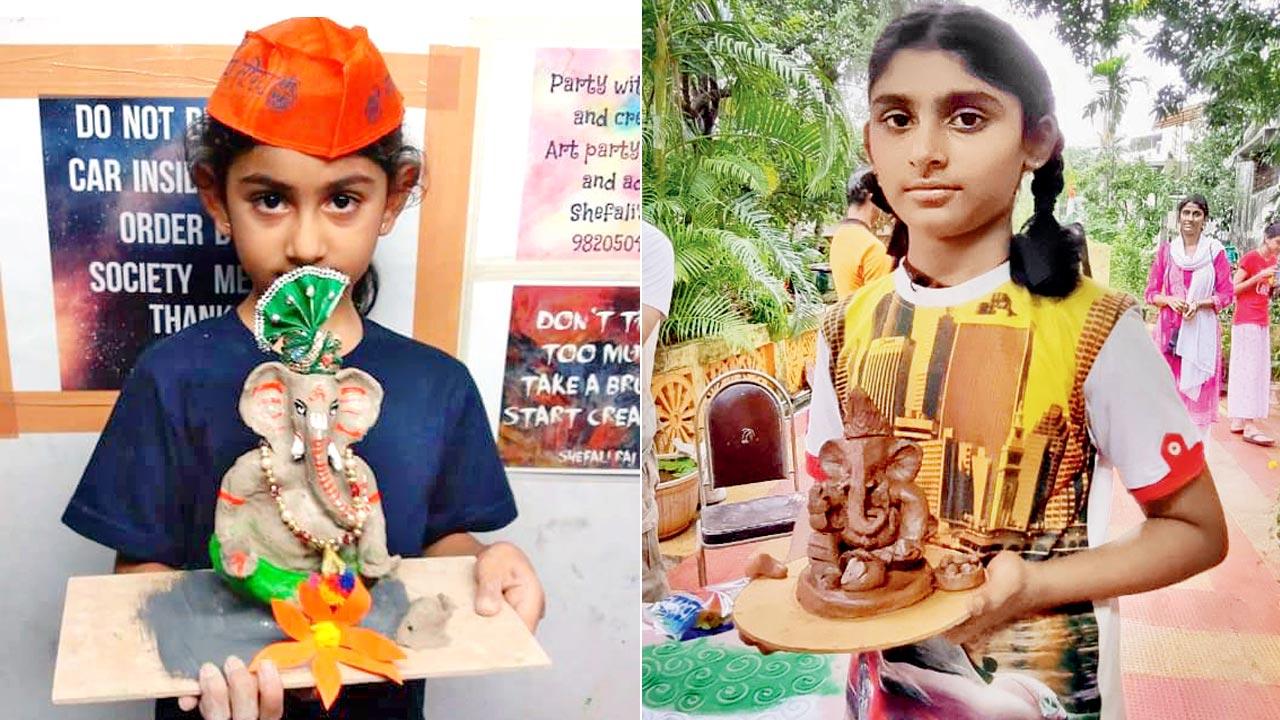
311 85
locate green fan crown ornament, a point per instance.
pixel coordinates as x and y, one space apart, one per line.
288 317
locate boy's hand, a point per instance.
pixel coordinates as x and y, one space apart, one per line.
240 694
503 572
1004 597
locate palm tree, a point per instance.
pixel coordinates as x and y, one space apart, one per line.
728 122
1112 82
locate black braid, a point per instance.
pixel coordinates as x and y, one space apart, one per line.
897 247
1046 184
872 185
1045 257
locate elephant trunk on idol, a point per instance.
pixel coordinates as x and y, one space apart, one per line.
304 491
870 520
326 414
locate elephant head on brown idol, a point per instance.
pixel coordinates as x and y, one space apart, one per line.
869 461
313 418
871 523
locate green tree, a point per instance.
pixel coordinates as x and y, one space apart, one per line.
1211 171
1112 82
1124 204
1228 50
730 123
834 37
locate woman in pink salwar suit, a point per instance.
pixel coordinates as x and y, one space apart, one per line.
1190 304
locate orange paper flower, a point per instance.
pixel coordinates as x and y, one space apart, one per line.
326 636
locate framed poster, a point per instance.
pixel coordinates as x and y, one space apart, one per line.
570 394
582 186
134 256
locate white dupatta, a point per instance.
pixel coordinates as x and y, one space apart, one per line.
1198 336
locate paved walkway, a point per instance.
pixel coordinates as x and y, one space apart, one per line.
1207 648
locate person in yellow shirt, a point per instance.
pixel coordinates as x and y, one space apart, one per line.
857 255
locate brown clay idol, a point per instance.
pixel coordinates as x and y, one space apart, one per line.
871 522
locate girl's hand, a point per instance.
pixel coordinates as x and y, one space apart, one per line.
1264 281
503 572
239 694
1176 305
1004 597
1206 304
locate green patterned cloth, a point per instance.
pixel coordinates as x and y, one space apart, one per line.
700 678
288 319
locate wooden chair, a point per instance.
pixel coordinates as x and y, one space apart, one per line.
744 435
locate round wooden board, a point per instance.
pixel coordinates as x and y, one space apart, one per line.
768 614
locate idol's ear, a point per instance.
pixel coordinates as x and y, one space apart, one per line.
905 458
264 403
359 403
832 459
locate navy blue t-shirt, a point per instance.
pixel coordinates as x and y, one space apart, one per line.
151 486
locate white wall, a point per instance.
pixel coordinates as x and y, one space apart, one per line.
37 548
580 530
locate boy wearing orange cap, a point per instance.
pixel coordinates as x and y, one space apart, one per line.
301 160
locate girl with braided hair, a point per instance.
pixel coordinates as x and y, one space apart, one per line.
857 256
1027 388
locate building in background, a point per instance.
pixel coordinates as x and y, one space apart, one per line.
1257 181
1168 145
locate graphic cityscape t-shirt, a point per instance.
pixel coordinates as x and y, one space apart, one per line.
1023 406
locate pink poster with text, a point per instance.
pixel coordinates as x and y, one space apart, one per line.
582 187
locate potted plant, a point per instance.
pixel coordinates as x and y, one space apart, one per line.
677 493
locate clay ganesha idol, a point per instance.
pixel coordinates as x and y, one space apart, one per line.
302 502
871 522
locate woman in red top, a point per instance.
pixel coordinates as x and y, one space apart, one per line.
1249 379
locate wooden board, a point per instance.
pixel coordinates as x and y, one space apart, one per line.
106 654
768 614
